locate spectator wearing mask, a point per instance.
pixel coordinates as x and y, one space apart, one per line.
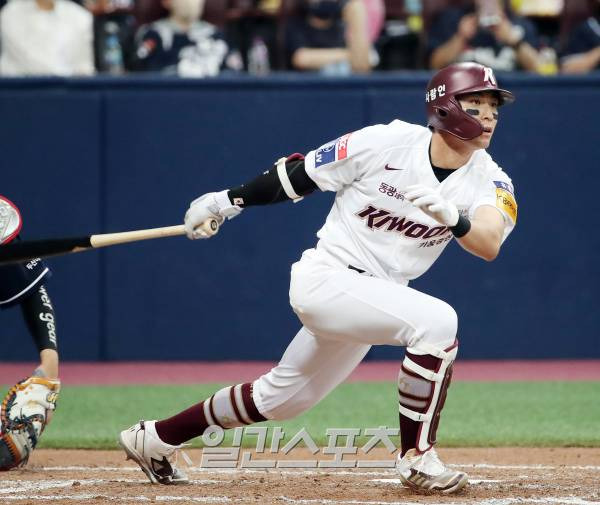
331 36
46 37
486 32
582 54
182 44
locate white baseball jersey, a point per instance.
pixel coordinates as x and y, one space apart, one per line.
371 225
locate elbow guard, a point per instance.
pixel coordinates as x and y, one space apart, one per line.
286 180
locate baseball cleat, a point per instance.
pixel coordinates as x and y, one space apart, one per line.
142 445
425 473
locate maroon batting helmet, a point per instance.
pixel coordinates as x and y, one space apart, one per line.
443 110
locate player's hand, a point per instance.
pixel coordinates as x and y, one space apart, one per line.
433 204
209 206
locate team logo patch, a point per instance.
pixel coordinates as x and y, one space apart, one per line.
333 151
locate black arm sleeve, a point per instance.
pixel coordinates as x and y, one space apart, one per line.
267 188
39 316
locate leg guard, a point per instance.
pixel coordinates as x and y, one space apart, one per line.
422 385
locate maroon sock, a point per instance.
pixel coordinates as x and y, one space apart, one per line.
225 411
184 426
409 429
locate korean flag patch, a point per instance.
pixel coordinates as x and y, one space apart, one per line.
335 150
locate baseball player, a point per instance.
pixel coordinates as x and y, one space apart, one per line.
403 192
27 407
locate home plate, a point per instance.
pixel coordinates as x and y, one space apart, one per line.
473 482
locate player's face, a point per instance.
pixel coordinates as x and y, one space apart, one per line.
483 107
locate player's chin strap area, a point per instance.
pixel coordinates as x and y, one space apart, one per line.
423 384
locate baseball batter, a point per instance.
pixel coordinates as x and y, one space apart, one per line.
403 192
24 412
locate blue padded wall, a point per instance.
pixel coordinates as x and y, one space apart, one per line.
100 155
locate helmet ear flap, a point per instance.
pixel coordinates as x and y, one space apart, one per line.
453 119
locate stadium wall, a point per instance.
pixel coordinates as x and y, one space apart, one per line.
100 155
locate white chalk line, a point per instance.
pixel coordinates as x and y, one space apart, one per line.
196 469
473 482
593 468
11 487
77 498
559 500
567 500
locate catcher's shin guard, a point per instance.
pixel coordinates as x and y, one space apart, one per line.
423 382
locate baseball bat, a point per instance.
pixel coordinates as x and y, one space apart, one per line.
30 249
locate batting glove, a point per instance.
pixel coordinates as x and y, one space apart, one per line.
433 204
209 206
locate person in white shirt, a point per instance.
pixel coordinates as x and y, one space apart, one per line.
403 192
46 37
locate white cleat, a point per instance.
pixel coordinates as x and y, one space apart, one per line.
142 445
425 473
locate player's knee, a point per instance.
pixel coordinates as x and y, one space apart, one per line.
440 329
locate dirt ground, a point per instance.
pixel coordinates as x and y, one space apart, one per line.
498 476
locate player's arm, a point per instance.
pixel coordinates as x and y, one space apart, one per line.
484 236
286 180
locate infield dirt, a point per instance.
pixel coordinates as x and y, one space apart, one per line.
498 476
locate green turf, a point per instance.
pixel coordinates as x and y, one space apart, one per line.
476 414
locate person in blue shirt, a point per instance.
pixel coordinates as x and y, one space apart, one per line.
182 44
329 36
486 32
582 53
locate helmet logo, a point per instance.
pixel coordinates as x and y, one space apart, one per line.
434 93
488 76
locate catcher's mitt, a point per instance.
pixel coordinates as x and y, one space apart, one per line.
23 417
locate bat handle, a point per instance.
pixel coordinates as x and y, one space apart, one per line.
210 227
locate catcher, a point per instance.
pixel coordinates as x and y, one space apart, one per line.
28 406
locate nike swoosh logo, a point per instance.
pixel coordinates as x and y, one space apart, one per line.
387 167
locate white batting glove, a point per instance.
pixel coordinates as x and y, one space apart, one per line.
209 206
433 204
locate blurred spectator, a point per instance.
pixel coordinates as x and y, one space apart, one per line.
114 29
330 36
537 7
46 37
183 44
375 13
399 45
583 49
488 33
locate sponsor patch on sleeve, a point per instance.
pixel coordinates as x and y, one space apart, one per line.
506 201
333 151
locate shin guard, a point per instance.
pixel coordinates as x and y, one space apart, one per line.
422 386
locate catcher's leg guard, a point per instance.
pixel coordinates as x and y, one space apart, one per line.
423 382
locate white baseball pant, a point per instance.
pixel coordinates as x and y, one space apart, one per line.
344 313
